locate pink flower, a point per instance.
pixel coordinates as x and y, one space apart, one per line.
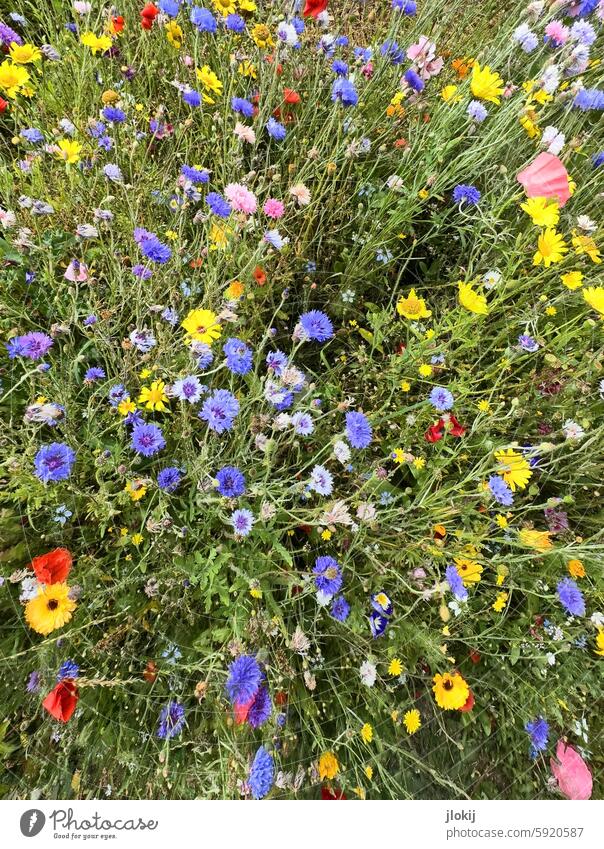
240 198
245 133
273 208
571 772
557 33
423 51
301 193
76 271
367 70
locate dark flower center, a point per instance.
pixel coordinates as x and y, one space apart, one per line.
53 604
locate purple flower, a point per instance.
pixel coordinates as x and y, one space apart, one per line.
441 399
571 597
244 679
33 345
262 773
142 272
188 389
377 624
147 439
340 608
33 682
303 423
220 410
538 731
242 521
275 129
466 194
316 325
154 250
203 354
171 720
413 79
218 204
53 462
500 491
260 709
68 669
116 394
94 373
456 583
231 482
321 481
527 343
169 478
343 90
238 356
328 575
358 430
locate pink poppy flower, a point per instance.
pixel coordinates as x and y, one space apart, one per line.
571 772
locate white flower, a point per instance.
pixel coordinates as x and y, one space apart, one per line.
8 218
584 222
550 79
491 278
551 658
29 589
341 451
597 619
366 512
282 421
301 193
368 673
553 140
323 598
244 133
572 430
336 514
395 183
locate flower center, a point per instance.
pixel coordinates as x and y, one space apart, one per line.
53 604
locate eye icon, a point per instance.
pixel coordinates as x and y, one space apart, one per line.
32 822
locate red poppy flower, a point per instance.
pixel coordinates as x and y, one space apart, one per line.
52 568
3 105
148 15
475 656
314 7
469 704
117 23
241 710
456 429
259 276
291 96
435 431
61 702
331 793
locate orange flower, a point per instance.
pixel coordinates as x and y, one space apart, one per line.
259 276
52 568
576 568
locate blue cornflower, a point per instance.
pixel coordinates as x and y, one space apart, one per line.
231 482
382 603
586 7
218 204
238 356
94 373
143 340
340 609
188 389
316 326
235 23
571 597
260 709
456 583
441 399
303 423
277 361
413 79
358 430
147 439
321 481
242 521
242 106
169 478
407 7
262 773
192 97
116 394
155 250
538 731
500 491
113 115
466 194
598 159
169 7
275 129
220 410
203 19
33 682
377 624
54 462
33 346
589 99
195 175
62 514
328 575
339 67
343 90
68 669
203 354
392 51
477 111
527 343
171 720
244 679
32 134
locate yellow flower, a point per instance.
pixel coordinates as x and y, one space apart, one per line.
543 212
209 80
109 96
69 151
146 372
225 7
586 245
261 36
600 643
368 770
530 127
450 691
514 468
202 326
255 590
448 94
576 568
328 766
246 69
484 406
419 462
500 601
398 455
501 521
95 43
247 6
412 721
572 280
472 300
412 307
594 295
367 733
550 248
425 370
235 290
470 570
50 609
136 539
23 54
486 84
136 490
174 34
395 668
12 78
539 540
126 406
154 397
219 236
326 535
405 385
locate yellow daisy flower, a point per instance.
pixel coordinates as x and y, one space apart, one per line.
50 609
486 84
472 300
328 766
543 212
154 397
550 248
412 307
12 78
24 54
514 468
450 691
594 295
202 326
412 721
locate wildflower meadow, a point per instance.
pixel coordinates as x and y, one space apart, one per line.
302 397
